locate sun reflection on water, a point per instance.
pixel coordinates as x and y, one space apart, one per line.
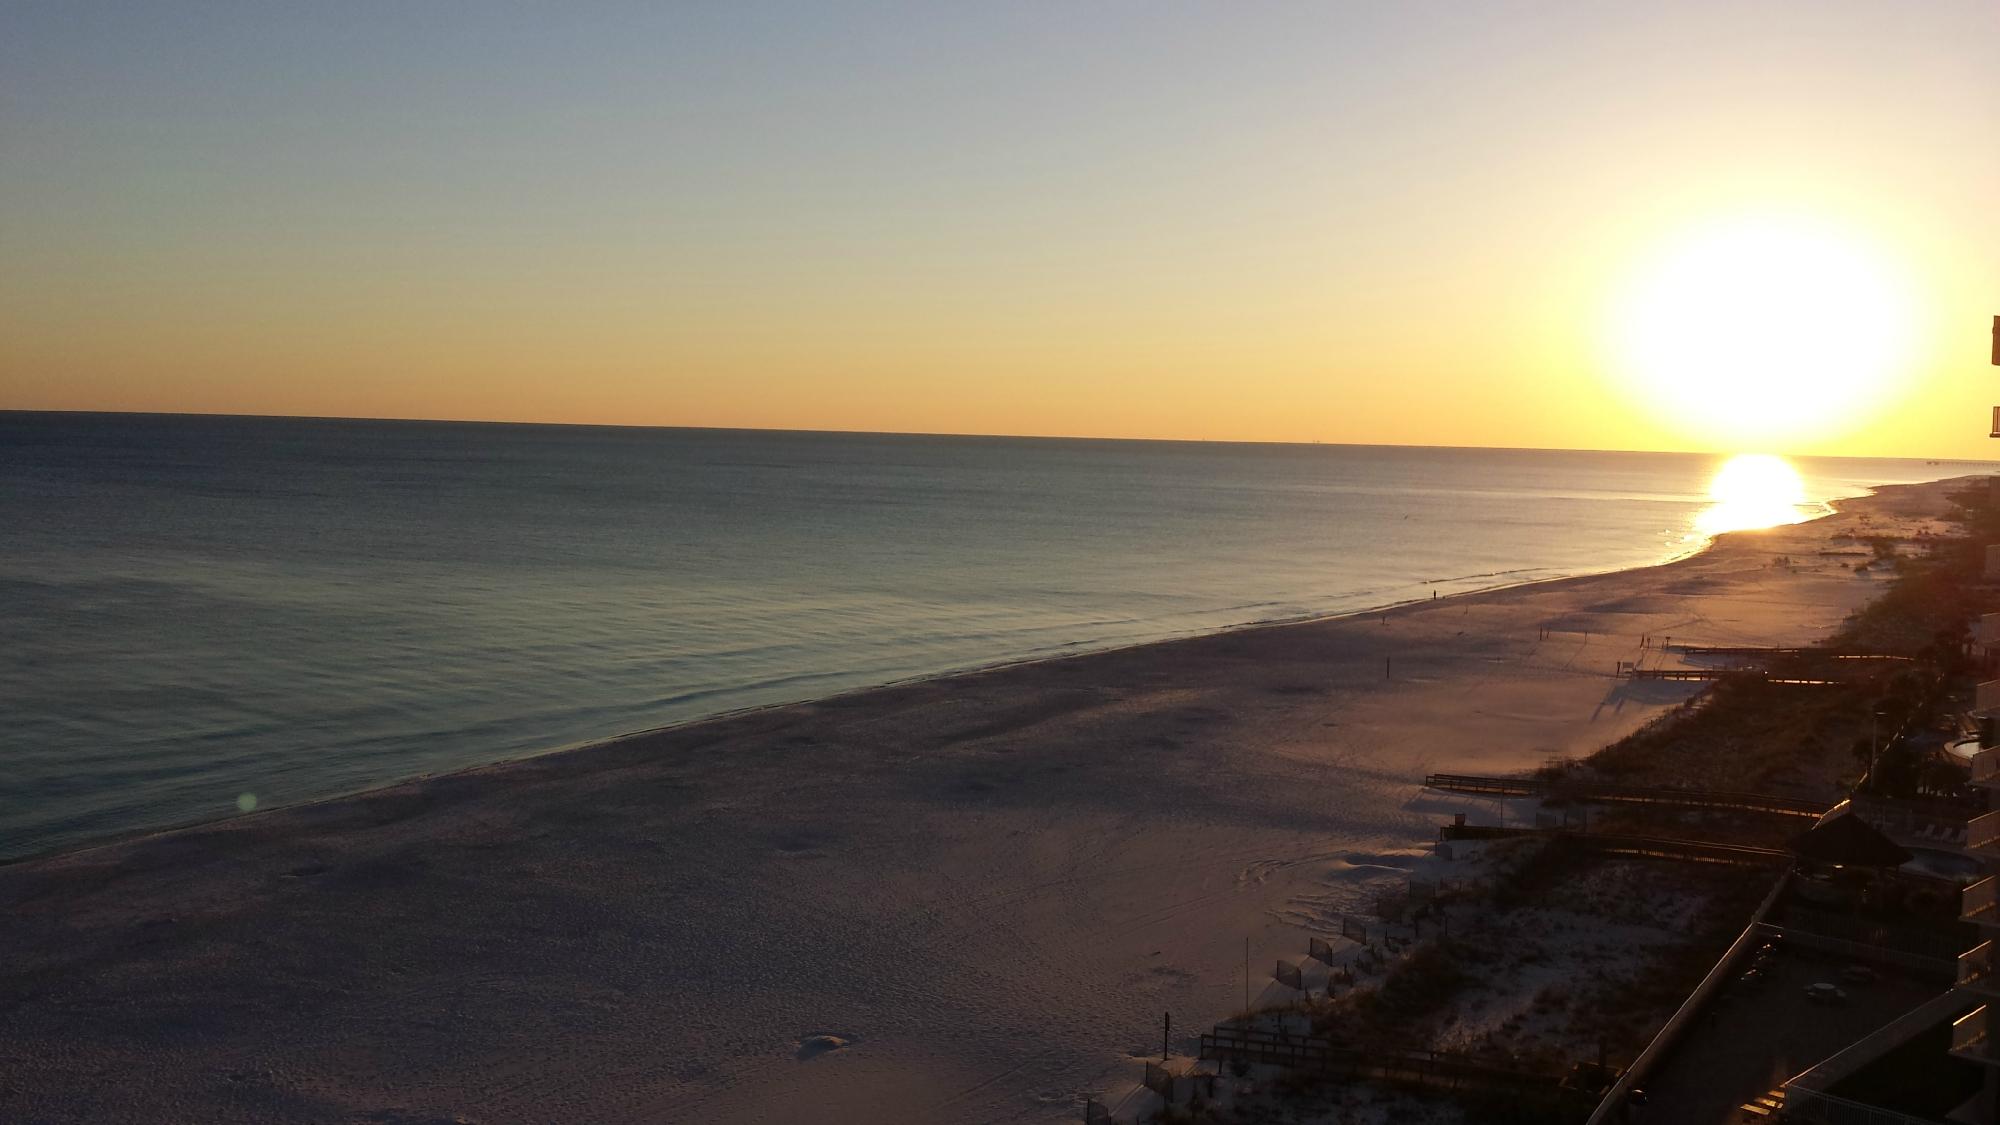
1754 490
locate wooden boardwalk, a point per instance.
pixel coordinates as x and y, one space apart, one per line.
1690 675
1706 675
1756 653
1761 653
1649 847
1432 1069
1625 794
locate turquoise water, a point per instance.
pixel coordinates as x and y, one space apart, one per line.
202 608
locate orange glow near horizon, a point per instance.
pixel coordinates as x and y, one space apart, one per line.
1590 226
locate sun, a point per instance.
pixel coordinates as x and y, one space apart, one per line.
1753 490
1762 330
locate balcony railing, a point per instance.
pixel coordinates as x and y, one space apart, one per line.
1983 832
1968 1036
1975 969
1986 766
1980 902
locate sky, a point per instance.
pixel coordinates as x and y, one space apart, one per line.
1407 223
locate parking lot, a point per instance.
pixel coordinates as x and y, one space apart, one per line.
1760 1033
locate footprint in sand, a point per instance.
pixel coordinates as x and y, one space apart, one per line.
813 1046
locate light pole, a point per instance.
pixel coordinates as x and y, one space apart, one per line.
1875 715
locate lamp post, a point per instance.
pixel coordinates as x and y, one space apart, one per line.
1874 747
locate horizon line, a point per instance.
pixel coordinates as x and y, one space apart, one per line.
947 434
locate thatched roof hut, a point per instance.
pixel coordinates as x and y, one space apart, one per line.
1848 841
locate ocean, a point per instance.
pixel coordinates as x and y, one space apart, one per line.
206 614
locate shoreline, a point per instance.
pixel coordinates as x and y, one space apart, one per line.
588 744
1832 507
988 884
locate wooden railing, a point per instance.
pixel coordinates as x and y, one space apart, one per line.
1625 794
1600 843
1807 653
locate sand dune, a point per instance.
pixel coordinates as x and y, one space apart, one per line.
965 899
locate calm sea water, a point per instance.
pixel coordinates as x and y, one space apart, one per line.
201 608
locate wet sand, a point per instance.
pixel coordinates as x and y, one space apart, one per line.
989 886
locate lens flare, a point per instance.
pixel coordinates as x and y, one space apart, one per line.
1763 329
1753 490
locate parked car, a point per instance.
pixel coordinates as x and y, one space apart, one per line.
1858 974
1826 992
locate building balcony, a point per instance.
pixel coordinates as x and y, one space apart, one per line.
1986 768
1986 695
1980 902
1969 1040
1976 970
1982 834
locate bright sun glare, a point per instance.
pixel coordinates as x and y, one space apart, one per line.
1753 490
1762 330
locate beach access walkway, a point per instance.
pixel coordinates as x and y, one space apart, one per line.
1649 847
1411 1067
1706 675
1625 794
1767 652
1751 671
